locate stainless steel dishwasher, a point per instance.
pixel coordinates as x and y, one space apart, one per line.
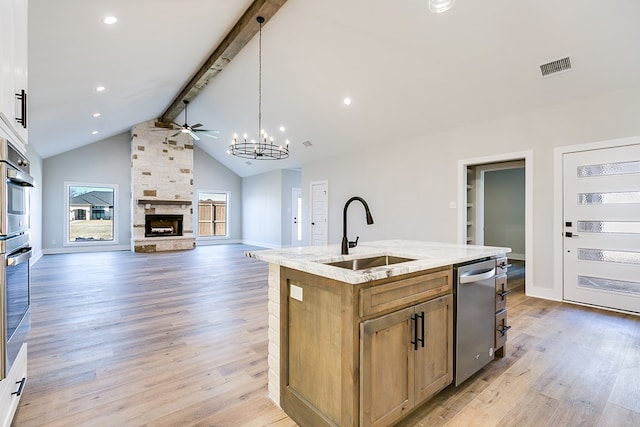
475 295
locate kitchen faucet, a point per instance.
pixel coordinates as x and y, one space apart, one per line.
346 244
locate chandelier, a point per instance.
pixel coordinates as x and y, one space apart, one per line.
264 147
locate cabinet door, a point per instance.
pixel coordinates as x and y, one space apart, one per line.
387 360
434 362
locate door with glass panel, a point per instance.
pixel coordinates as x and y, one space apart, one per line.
602 227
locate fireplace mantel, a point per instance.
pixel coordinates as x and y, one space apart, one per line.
163 202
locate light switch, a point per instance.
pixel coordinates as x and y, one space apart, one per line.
296 292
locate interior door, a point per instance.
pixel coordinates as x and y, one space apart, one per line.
602 227
319 213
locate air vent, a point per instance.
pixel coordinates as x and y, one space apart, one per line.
307 143
556 66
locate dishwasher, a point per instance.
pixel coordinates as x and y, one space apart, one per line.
474 293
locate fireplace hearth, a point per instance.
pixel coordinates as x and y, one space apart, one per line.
162 225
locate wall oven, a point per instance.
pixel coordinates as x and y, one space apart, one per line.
15 252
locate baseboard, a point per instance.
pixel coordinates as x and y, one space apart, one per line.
84 249
261 244
211 242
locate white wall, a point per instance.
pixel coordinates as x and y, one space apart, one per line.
290 179
103 162
266 202
35 203
211 175
410 185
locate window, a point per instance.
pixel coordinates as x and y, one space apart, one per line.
212 214
90 213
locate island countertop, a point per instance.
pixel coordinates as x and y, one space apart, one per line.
426 255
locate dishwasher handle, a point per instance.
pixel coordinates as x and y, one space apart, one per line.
477 275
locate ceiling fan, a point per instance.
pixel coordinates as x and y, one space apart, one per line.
193 129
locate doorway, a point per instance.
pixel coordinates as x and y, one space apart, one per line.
495 196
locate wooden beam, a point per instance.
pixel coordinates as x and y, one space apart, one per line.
234 41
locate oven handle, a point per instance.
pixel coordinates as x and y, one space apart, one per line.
477 276
19 177
20 257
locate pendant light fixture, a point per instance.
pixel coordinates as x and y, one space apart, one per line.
264 147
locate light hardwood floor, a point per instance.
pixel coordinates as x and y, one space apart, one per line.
180 339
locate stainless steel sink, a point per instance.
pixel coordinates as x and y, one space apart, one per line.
364 263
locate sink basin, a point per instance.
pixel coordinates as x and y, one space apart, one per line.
364 263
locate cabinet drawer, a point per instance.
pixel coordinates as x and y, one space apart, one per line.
378 299
501 292
8 400
501 329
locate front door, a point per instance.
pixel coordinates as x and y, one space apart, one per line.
602 227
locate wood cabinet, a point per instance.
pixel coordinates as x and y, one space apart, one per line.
11 387
13 71
406 357
346 351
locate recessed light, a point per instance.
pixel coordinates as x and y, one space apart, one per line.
110 20
96 114
94 132
282 129
100 89
347 101
439 6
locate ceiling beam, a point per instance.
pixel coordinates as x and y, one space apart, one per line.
241 33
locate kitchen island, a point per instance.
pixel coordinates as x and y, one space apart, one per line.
333 358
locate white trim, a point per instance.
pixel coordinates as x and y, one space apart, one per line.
84 249
558 187
530 286
261 244
200 241
87 244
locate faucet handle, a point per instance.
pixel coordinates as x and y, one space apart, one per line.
354 244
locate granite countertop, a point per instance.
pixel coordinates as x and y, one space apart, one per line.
427 255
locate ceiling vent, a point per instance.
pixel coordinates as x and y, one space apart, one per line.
307 143
556 66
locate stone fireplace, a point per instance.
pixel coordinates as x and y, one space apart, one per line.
161 190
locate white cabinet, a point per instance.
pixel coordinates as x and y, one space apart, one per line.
12 386
13 70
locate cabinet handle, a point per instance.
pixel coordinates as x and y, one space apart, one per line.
422 326
22 96
417 340
414 318
504 293
19 391
504 329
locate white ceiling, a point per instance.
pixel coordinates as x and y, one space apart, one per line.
409 72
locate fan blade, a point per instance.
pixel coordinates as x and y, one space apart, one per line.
207 130
176 134
197 125
210 136
194 136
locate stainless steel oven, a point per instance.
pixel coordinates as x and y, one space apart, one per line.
14 191
15 297
15 253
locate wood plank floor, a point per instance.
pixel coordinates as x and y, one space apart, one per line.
180 339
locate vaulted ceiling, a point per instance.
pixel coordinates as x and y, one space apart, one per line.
409 72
